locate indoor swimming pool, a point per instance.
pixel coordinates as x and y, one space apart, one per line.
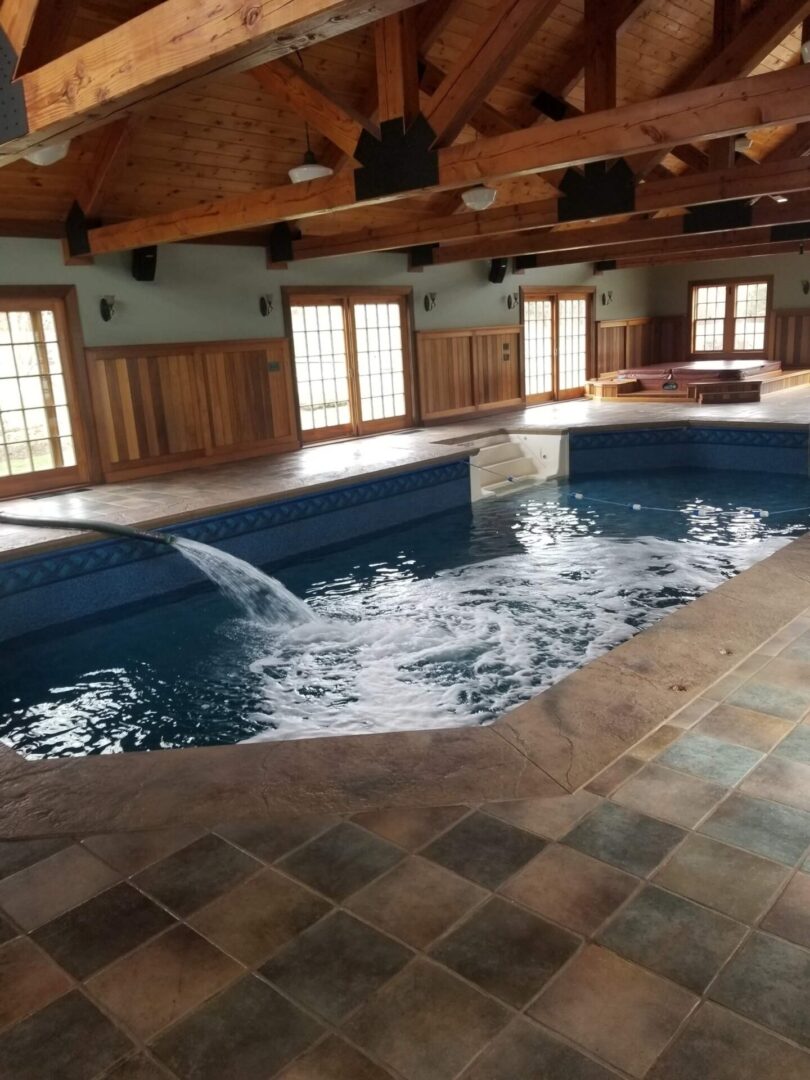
447 622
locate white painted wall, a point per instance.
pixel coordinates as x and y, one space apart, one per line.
211 292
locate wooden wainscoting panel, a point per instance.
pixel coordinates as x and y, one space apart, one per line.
159 408
444 363
496 366
791 338
633 343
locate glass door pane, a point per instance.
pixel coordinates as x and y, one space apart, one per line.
538 338
321 368
573 343
35 427
380 362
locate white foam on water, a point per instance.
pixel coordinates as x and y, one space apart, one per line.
470 643
261 598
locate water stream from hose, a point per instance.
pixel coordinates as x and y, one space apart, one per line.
261 598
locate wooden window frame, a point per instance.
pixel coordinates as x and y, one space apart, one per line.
728 351
567 292
62 300
293 295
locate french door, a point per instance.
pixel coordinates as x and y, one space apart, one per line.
352 362
556 343
42 441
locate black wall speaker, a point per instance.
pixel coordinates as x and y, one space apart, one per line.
497 270
144 263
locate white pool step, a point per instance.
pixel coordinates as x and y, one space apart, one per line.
502 451
515 466
507 487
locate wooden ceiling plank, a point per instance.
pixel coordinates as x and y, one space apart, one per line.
307 96
171 45
482 64
395 49
759 101
764 28
431 19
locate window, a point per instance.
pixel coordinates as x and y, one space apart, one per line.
352 361
730 317
37 423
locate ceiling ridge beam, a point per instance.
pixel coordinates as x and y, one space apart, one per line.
396 65
759 101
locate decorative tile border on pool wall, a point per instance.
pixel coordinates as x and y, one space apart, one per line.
48 589
778 450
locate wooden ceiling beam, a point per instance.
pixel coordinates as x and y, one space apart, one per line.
397 68
542 242
173 44
728 251
651 197
481 65
760 101
727 14
16 22
307 96
431 19
763 29
49 35
113 140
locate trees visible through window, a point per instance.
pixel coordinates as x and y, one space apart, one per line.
730 317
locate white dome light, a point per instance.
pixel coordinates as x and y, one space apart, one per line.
479 198
309 169
48 155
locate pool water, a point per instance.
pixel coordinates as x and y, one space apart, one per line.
448 622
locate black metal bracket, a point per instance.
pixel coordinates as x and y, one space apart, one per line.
596 191
555 108
717 216
421 255
13 114
280 242
399 160
77 231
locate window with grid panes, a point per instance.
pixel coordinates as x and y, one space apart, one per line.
730 317
35 428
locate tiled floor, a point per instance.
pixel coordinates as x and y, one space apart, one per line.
655 925
172 496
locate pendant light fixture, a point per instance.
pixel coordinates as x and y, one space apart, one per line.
479 198
310 168
48 155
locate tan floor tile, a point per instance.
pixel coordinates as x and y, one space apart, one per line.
723 687
614 775
131 852
725 878
571 888
656 742
618 1011
41 892
259 916
161 981
782 781
427 1024
410 827
744 727
416 901
333 1059
790 915
670 795
29 980
551 817
691 713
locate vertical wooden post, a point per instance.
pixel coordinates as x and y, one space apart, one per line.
397 68
600 56
721 152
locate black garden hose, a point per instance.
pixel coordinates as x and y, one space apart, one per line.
92 526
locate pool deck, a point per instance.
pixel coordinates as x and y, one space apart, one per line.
175 497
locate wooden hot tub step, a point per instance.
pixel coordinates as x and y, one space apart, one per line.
713 397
